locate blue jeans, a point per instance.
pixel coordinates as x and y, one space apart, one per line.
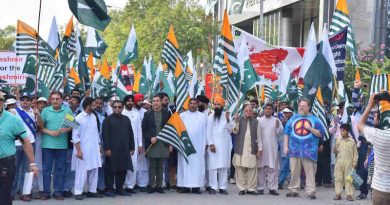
21 167
59 158
69 174
284 170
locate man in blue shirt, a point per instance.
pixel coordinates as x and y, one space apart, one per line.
301 138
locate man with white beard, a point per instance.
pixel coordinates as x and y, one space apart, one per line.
191 175
219 144
135 119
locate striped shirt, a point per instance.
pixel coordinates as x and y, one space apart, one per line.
381 141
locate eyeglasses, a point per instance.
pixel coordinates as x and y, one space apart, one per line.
117 107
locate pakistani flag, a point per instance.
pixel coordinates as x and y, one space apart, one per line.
90 13
129 51
101 84
175 134
384 113
95 43
54 36
248 74
141 83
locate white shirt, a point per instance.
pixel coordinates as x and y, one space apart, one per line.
30 135
135 120
381 141
87 134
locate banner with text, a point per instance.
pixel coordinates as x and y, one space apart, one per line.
11 68
213 85
337 43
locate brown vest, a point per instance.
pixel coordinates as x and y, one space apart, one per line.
240 136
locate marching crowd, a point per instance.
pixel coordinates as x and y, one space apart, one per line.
112 149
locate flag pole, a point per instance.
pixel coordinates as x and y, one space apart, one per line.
37 60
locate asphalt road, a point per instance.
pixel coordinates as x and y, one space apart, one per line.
324 197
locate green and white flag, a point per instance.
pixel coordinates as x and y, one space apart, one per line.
90 13
95 43
129 51
248 75
54 36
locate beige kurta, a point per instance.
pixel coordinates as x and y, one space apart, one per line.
247 159
269 136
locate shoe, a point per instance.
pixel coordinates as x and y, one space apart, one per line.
160 190
273 192
292 194
167 186
38 195
252 193
109 194
208 188
196 191
25 198
361 196
173 188
311 196
327 185
280 186
223 191
151 190
131 191
142 189
122 192
67 194
260 192
183 190
212 191
45 197
79 197
242 192
59 197
232 181
349 198
94 195
337 197
100 191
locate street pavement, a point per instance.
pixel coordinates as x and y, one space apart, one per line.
324 197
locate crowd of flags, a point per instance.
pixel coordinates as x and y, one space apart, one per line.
67 63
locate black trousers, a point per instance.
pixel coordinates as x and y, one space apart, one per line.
7 174
110 177
323 174
156 172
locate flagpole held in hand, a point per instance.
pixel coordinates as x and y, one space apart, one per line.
37 59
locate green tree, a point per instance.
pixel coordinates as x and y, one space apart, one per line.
151 19
7 37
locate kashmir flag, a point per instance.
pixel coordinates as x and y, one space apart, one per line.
319 111
384 115
48 70
101 84
248 75
95 43
182 95
82 68
379 82
90 13
266 59
129 51
170 52
340 19
69 121
175 133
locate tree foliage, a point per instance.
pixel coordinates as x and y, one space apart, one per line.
7 37
151 20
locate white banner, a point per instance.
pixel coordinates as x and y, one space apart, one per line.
11 68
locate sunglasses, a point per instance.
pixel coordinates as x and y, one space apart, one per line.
117 107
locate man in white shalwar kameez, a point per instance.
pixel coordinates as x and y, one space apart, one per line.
135 119
269 127
191 175
86 158
219 143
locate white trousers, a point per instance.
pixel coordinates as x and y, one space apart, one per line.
81 178
131 176
267 177
218 178
142 178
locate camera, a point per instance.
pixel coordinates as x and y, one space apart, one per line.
382 96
